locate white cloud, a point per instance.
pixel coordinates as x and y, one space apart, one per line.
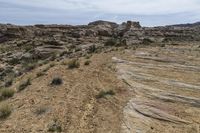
142 7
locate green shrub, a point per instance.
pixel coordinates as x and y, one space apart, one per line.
56 81
74 63
7 93
24 84
5 111
86 63
103 94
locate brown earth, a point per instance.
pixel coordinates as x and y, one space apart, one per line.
156 90
131 79
73 103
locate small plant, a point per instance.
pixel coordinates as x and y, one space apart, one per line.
87 62
56 81
28 48
87 56
6 93
64 63
111 42
5 111
41 110
74 63
24 84
52 65
29 67
103 94
8 83
92 49
39 74
54 126
14 61
147 41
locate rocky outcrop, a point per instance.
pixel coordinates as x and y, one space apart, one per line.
100 22
41 42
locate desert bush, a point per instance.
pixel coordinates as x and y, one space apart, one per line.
53 56
147 41
52 64
29 66
103 94
5 111
8 83
111 42
54 126
24 84
74 63
86 63
64 63
92 49
6 93
28 48
39 74
14 61
56 81
40 110
87 56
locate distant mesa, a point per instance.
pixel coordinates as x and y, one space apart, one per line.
128 24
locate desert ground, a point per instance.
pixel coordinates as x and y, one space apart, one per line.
145 80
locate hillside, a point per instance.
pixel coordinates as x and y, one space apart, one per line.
99 78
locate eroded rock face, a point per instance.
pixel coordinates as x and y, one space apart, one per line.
165 84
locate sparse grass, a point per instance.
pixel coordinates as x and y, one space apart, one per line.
39 74
74 63
40 110
56 81
54 126
86 63
103 94
6 93
5 111
24 84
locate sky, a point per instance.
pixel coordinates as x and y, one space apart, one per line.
77 12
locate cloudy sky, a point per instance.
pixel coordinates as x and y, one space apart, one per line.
148 12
